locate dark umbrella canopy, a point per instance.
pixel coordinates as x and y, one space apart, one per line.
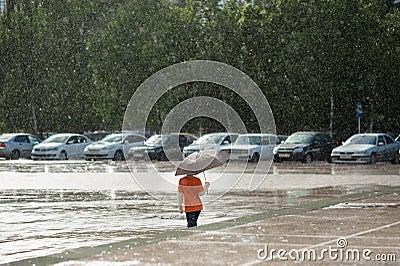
201 161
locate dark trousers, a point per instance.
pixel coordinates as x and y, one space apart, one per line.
191 218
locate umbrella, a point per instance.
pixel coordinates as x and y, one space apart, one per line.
201 161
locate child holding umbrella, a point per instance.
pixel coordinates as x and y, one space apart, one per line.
190 189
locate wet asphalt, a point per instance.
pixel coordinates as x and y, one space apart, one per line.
298 208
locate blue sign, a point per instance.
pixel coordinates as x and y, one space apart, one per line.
359 109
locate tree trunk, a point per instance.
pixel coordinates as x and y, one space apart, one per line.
34 118
331 114
32 79
371 121
159 118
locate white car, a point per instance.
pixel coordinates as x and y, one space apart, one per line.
61 147
253 147
212 141
114 146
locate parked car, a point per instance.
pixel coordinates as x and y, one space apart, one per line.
212 141
398 140
252 147
97 135
367 148
282 138
113 146
158 146
16 145
141 131
305 147
61 146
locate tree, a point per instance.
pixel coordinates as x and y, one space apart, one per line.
74 65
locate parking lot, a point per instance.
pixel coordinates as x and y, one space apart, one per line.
298 206
326 232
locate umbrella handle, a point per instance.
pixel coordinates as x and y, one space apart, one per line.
205 180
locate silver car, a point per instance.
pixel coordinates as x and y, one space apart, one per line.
367 148
15 145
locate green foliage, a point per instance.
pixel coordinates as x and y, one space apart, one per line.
74 65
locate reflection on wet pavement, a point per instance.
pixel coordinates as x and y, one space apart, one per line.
82 166
42 222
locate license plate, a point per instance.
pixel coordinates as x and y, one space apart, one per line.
345 157
284 155
138 155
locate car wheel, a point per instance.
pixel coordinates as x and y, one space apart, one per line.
119 156
161 156
277 160
63 156
329 159
396 158
14 155
255 158
308 158
372 160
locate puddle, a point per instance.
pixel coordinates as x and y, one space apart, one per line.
43 222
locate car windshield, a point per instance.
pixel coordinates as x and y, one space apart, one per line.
209 139
6 137
361 140
248 140
299 139
56 139
112 138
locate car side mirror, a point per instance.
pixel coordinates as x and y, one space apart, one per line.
225 142
381 144
70 142
126 142
282 141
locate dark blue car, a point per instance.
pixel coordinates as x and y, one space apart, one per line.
305 147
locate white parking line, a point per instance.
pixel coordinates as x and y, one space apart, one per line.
354 235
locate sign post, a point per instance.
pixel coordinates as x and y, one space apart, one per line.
359 115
